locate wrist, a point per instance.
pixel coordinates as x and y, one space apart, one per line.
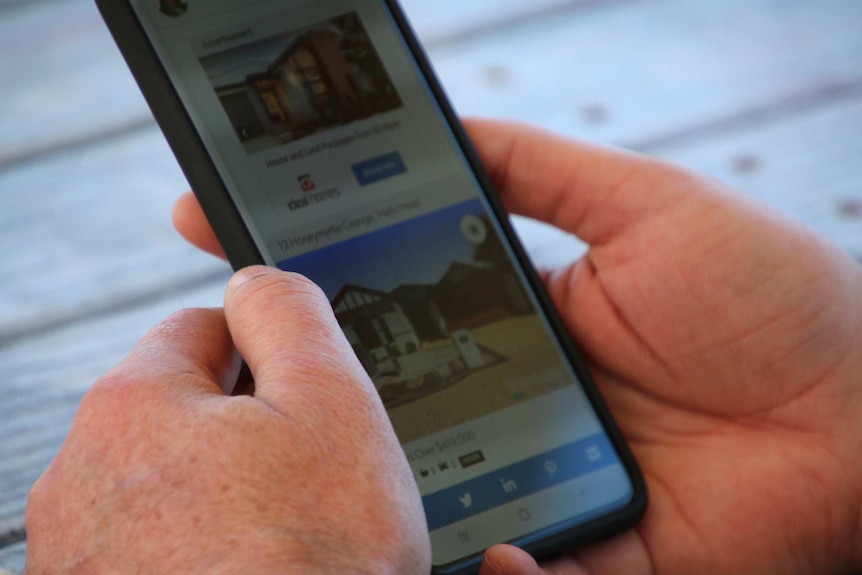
317 557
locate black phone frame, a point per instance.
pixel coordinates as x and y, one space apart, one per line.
241 251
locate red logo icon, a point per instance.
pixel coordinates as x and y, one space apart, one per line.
306 183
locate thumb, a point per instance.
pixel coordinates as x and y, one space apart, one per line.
508 560
591 191
284 328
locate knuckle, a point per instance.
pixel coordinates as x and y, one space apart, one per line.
185 321
40 503
107 397
286 291
36 498
290 283
186 316
107 388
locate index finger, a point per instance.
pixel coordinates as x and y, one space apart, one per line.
192 224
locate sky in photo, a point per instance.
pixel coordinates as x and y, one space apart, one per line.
418 251
235 64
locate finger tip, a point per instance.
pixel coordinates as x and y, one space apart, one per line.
248 274
191 223
185 206
508 560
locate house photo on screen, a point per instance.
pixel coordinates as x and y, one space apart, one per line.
438 317
286 87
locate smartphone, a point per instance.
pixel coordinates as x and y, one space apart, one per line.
319 141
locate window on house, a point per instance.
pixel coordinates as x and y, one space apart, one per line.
307 66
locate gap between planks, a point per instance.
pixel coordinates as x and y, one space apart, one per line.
771 113
96 312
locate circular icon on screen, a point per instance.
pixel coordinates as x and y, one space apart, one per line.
474 229
173 8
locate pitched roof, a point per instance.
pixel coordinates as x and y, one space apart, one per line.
350 288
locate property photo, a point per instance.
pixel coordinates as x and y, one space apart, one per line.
286 87
438 317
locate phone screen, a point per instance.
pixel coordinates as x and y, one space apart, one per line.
344 168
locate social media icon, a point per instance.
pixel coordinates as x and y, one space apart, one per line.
593 453
466 500
509 485
551 468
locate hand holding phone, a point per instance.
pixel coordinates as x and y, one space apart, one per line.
164 471
319 142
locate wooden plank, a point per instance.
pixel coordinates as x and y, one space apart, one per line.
60 49
636 73
808 166
9 5
12 559
90 231
448 21
46 377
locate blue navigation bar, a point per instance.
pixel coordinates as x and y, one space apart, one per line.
518 480
379 168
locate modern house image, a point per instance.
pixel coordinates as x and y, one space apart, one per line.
324 76
382 327
470 296
376 327
415 301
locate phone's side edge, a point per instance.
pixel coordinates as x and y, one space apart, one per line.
180 132
630 515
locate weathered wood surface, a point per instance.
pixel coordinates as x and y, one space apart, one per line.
808 165
643 73
765 94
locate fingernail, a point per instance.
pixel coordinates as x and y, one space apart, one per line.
249 273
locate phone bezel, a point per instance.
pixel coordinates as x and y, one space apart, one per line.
239 246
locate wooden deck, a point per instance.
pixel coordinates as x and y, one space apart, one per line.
765 94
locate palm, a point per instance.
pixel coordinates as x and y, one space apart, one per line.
705 361
712 328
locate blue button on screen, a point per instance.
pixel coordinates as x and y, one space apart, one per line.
379 168
518 480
